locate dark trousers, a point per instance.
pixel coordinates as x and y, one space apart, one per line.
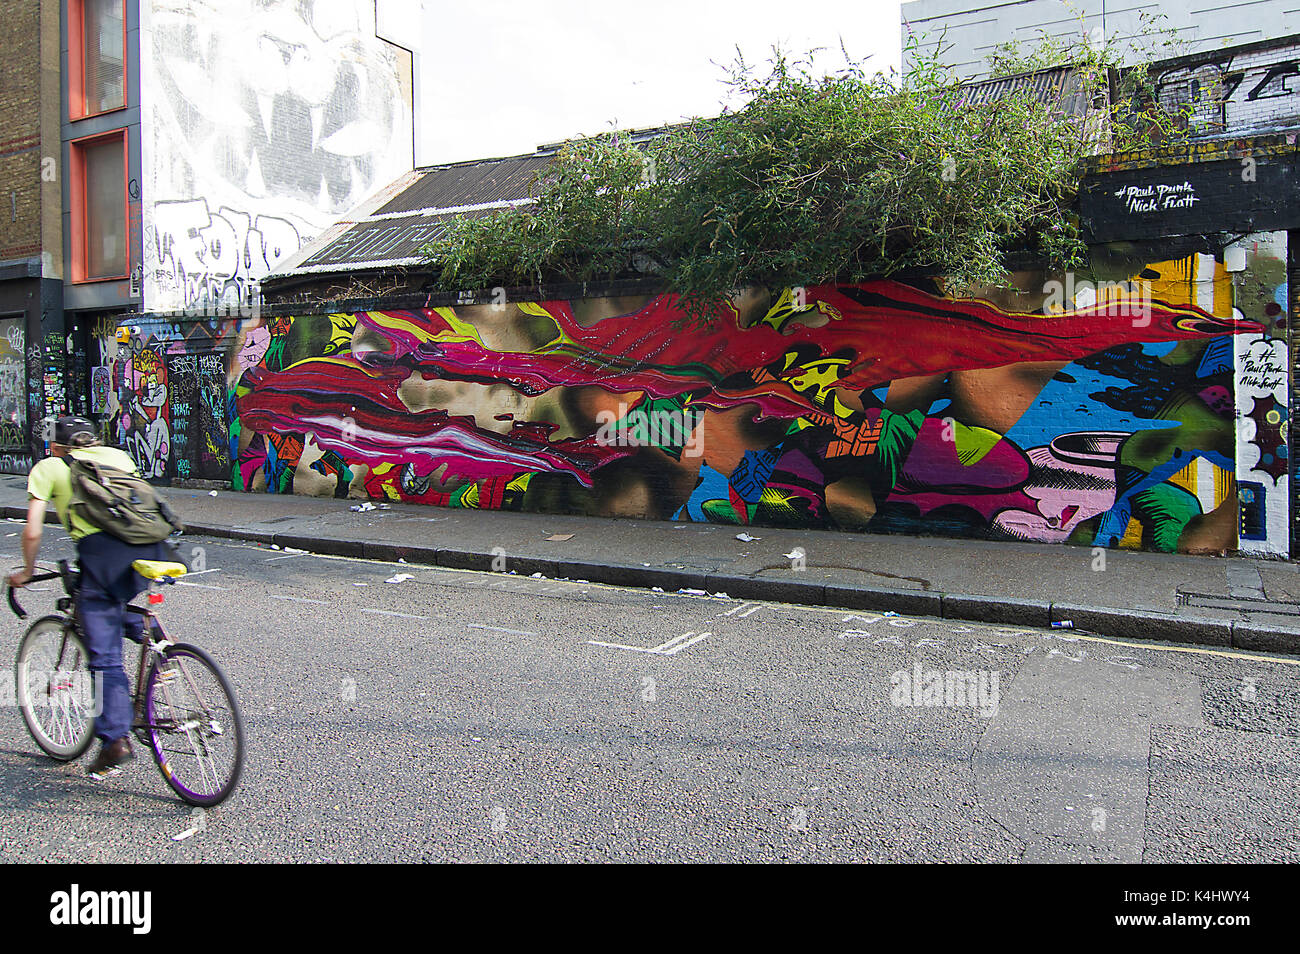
108 583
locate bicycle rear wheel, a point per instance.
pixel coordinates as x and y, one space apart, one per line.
194 725
55 688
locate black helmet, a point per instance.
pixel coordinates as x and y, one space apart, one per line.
73 431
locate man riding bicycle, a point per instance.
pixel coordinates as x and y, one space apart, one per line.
108 581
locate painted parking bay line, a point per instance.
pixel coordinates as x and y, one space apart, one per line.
379 612
670 648
296 599
500 629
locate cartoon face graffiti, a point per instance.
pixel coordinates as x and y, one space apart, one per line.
149 439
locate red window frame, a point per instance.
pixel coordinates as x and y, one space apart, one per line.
77 61
77 183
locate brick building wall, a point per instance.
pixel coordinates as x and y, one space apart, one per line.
1247 89
20 130
970 29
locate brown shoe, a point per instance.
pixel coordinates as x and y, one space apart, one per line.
112 756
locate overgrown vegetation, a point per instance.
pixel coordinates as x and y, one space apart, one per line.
816 178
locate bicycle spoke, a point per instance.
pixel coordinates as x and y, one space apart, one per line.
202 762
205 767
51 665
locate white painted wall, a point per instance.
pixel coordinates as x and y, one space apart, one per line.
972 28
262 121
1262 418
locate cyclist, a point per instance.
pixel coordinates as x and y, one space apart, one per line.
108 581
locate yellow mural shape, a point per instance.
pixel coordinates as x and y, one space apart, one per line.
1209 483
973 442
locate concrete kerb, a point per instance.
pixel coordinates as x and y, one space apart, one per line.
328 545
1146 625
1260 637
1114 622
993 609
806 592
884 600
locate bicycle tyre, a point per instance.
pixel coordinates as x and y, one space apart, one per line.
182 744
69 730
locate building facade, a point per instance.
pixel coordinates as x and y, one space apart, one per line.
31 225
1141 402
970 30
189 147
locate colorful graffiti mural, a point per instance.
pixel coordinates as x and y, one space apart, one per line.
877 406
167 401
13 385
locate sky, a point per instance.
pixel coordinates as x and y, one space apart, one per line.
501 77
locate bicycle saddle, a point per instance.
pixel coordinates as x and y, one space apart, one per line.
158 569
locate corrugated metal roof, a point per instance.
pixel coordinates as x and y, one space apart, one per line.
1059 87
391 232
471 184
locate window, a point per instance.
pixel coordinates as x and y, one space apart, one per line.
97 58
99 207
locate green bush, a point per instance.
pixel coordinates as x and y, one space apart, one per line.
816 178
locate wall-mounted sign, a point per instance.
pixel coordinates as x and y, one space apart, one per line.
1233 195
1157 197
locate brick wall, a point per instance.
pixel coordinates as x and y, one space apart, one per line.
1236 91
20 130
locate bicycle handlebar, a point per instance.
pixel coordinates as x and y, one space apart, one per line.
13 598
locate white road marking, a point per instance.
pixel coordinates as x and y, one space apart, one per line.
287 556
380 612
500 629
741 610
635 649
671 648
202 586
297 599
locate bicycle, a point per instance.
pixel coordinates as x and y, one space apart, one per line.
196 734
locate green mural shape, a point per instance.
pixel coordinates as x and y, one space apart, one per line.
1164 510
897 435
665 423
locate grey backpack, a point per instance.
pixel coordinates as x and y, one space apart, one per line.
120 503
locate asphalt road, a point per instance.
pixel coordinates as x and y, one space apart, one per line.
459 716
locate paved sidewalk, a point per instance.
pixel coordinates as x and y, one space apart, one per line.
1248 604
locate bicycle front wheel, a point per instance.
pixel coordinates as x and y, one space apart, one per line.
194 725
55 688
